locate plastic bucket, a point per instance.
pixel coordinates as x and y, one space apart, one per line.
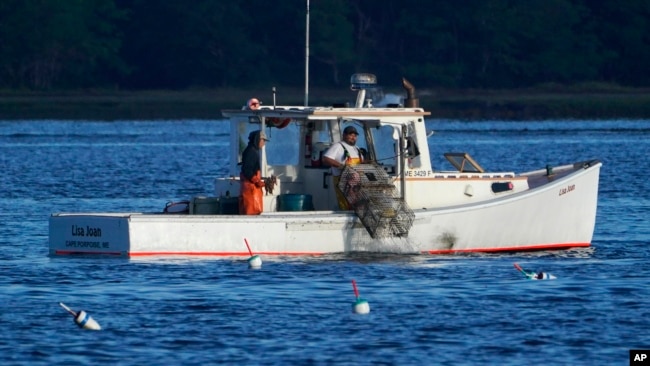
229 205
295 202
204 206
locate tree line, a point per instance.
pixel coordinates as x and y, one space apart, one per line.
180 44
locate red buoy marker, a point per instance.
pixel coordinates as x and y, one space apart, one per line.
360 305
255 261
82 319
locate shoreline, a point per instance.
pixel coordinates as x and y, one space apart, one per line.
524 104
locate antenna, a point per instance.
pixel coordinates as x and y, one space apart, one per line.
307 57
273 90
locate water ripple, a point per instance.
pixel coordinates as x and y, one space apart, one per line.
447 310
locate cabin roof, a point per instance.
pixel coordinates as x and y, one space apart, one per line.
329 113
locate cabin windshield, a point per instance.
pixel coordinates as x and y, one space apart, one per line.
386 147
287 145
383 148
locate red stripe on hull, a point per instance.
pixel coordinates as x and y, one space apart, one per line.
246 254
221 254
510 249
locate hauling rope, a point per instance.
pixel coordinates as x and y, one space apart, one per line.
374 198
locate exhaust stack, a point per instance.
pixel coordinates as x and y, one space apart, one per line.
411 101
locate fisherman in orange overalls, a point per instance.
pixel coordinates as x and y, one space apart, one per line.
251 182
338 156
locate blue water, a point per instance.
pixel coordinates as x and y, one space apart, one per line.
447 310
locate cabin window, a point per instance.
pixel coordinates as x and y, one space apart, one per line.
385 147
463 162
362 144
284 147
384 151
281 150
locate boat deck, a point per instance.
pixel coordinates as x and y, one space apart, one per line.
539 178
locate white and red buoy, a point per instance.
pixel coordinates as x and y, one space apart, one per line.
255 261
360 305
535 276
82 319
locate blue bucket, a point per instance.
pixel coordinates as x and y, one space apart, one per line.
295 202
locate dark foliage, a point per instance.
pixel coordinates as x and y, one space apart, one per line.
176 44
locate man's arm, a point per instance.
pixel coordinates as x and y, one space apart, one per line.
333 163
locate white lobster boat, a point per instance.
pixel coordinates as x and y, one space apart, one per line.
415 209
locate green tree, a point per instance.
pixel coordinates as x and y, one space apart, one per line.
331 33
554 43
52 44
624 30
176 44
426 41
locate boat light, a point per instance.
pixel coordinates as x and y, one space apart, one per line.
502 187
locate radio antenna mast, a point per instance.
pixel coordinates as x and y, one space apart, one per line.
307 57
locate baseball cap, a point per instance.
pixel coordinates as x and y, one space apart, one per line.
349 130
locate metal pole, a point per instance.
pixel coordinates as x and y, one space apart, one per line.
307 57
402 163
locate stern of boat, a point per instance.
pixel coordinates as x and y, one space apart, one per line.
88 234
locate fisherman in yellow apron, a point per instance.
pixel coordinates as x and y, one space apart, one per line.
338 156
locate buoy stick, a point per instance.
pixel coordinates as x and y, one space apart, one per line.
254 261
68 309
518 267
360 305
356 291
248 246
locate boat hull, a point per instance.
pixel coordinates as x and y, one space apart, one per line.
556 215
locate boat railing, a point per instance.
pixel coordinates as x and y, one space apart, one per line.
473 175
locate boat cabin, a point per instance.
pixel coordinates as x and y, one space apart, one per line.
392 137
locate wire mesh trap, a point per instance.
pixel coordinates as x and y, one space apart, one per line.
373 197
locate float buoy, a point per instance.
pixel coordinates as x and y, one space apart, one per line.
543 276
535 276
255 261
82 319
278 122
253 104
360 306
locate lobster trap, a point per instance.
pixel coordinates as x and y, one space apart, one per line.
372 195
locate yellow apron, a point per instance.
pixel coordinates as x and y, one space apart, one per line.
343 202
